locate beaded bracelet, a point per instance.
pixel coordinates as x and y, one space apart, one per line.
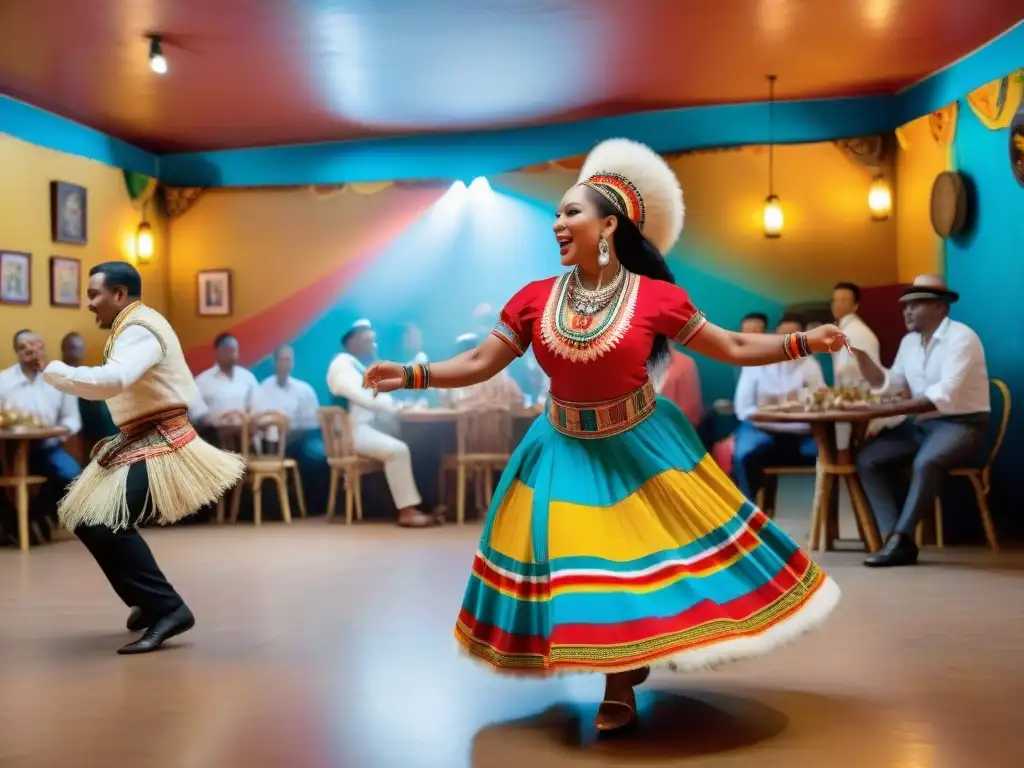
795 346
416 376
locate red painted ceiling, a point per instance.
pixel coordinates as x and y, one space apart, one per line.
254 72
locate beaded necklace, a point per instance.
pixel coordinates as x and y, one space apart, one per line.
581 337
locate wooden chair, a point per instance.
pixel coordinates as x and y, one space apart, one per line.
231 436
345 464
980 479
483 440
271 429
768 495
265 460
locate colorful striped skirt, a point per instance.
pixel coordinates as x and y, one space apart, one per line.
611 553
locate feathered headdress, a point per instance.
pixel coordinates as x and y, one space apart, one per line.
639 183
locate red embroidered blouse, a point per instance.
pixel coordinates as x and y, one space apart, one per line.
614 362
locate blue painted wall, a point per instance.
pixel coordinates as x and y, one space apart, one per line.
986 265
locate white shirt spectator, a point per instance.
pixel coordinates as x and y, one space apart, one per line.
223 392
345 379
847 373
296 399
771 384
41 399
844 365
950 371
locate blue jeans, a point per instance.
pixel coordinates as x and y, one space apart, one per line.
50 460
756 449
54 463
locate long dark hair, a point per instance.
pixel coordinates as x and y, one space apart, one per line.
637 254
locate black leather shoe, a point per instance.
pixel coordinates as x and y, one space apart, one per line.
160 631
898 550
137 620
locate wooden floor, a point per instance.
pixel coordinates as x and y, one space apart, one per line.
320 646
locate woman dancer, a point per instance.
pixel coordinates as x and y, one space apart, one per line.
614 541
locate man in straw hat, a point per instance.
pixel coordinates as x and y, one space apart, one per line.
940 365
155 468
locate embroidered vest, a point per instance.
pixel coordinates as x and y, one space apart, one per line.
167 384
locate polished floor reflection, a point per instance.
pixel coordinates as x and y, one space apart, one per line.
320 646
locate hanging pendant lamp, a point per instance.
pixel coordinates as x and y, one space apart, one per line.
772 217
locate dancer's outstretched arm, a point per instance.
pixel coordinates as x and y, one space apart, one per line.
472 367
759 348
135 351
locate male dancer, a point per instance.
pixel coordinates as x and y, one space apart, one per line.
156 467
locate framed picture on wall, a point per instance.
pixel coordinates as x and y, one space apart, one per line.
213 291
68 213
15 277
65 282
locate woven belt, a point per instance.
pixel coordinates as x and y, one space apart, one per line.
610 417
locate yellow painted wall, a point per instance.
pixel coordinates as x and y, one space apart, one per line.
25 175
828 234
919 160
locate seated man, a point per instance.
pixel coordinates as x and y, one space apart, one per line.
940 365
226 386
22 389
767 445
296 400
345 380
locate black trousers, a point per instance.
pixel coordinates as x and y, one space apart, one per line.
125 558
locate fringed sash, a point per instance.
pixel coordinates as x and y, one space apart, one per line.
184 472
146 438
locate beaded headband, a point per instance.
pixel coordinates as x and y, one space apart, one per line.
621 193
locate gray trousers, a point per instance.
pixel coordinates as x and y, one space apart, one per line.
933 446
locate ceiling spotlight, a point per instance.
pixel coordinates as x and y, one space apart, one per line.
157 62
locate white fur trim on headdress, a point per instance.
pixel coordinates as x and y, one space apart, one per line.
361 323
660 212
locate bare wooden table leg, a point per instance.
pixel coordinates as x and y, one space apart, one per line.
824 435
865 517
20 477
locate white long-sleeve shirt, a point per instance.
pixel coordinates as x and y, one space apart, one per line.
768 384
345 379
223 392
847 373
39 398
135 351
145 371
296 400
844 365
950 372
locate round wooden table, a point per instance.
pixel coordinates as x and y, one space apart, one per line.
830 469
17 476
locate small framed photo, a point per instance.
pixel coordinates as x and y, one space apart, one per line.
15 277
65 282
213 288
68 213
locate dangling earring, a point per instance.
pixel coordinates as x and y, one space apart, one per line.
604 255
